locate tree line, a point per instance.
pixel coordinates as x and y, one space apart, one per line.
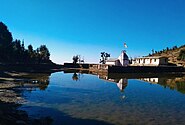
162 51
14 51
181 55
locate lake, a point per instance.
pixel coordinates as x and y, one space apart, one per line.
87 99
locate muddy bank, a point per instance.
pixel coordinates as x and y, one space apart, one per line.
12 84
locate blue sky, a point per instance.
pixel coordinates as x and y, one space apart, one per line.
88 27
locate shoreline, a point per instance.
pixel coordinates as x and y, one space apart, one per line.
31 68
87 68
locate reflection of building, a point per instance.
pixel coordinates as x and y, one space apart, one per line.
151 80
121 83
174 83
150 61
122 60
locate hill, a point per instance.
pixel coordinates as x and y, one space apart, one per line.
176 55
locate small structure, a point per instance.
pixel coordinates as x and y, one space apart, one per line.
113 61
122 60
150 61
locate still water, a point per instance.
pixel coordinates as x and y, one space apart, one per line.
85 99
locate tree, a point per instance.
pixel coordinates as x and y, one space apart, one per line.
30 48
5 36
75 59
181 55
104 57
174 47
31 54
44 54
152 51
5 43
15 51
149 54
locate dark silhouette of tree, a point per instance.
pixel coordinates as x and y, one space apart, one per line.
43 53
75 59
104 57
181 55
152 51
75 77
30 49
5 42
174 47
5 36
31 54
15 51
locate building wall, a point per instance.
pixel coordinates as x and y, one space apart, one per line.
111 63
115 63
148 61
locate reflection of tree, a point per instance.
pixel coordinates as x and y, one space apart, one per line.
176 83
43 82
181 87
40 80
75 77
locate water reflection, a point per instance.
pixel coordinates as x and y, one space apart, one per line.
121 83
96 100
176 83
172 81
12 84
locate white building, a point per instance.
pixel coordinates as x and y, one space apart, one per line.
150 61
113 61
122 60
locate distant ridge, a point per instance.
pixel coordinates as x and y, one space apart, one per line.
176 55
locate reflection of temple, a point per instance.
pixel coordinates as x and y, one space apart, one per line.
121 83
168 80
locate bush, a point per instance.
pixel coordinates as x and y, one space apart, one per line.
181 55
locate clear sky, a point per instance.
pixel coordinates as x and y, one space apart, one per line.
87 27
